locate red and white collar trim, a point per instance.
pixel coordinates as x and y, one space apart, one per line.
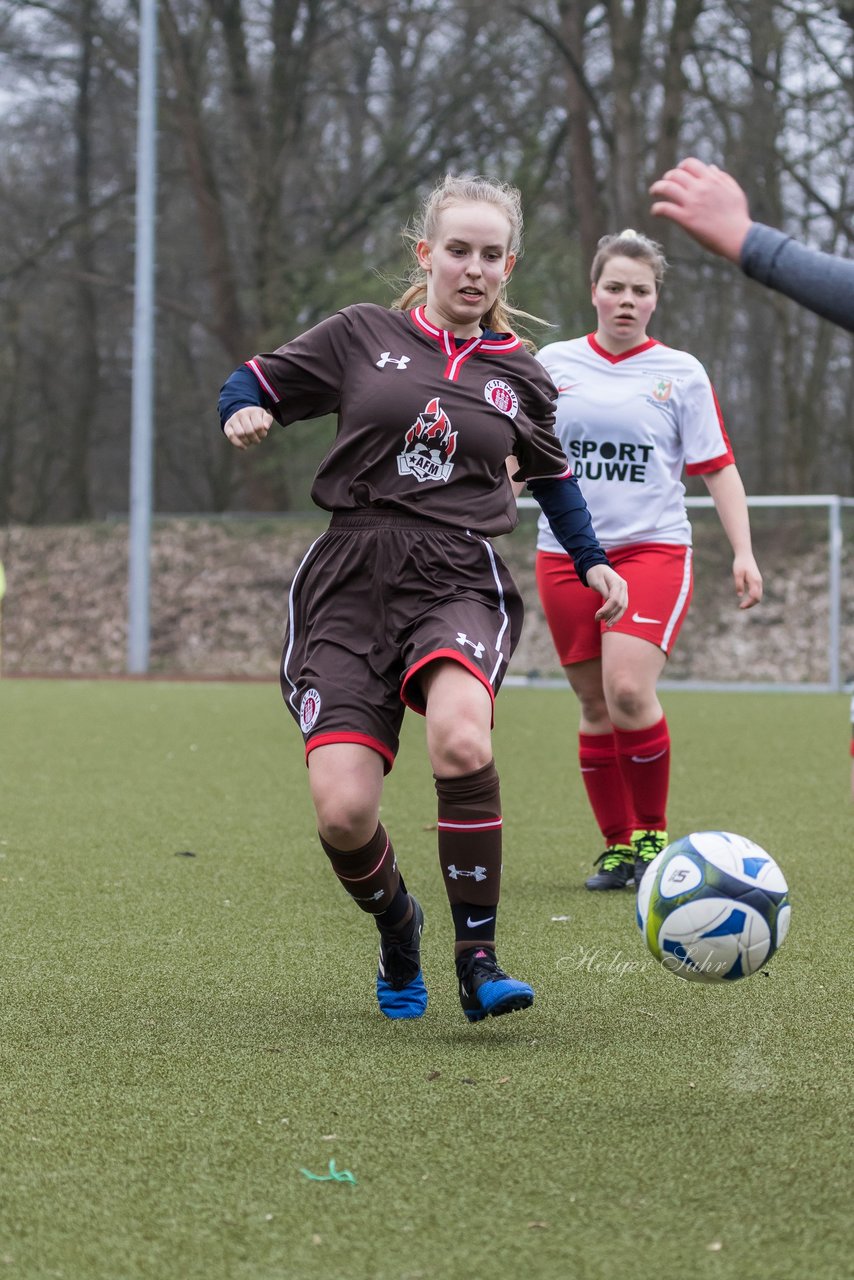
624 355
458 355
507 342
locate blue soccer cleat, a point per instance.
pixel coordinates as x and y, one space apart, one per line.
485 989
401 992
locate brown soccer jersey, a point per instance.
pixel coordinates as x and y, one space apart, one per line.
424 424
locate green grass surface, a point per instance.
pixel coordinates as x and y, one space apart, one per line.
182 1035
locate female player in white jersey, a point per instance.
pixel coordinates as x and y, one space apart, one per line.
632 413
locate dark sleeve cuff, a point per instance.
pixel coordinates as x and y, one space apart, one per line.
241 390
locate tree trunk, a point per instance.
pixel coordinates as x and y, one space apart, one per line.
11 354
228 321
85 396
626 167
584 187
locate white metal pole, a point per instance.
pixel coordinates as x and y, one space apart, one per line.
835 588
142 426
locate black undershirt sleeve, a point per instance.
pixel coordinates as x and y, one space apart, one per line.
564 507
240 390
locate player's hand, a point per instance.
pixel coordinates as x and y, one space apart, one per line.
608 583
248 426
748 581
705 202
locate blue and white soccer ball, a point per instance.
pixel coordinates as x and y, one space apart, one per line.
713 907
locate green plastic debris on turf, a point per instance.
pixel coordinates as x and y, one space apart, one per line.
334 1175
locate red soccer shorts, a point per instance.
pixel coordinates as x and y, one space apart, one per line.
660 579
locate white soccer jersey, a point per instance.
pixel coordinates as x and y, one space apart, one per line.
629 424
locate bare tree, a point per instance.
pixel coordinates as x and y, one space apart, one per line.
295 139
81 413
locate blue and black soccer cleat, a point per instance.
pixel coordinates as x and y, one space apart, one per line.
400 984
485 989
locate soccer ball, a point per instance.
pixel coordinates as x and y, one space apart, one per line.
713 907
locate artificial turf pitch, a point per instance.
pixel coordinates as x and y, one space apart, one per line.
183 1035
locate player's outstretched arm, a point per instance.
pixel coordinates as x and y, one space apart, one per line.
711 207
605 580
705 202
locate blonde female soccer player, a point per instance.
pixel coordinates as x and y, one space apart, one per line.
404 602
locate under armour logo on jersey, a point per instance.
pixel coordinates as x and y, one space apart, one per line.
479 649
388 358
456 873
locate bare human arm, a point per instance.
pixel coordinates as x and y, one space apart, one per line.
727 493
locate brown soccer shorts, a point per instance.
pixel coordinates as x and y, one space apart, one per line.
378 596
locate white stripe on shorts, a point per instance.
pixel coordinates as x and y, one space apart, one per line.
680 600
502 610
286 655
